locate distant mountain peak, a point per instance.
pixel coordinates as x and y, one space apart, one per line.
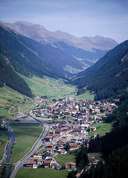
40 33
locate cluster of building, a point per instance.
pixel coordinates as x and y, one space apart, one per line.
81 111
61 138
39 160
74 120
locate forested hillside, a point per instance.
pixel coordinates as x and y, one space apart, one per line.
17 56
22 58
9 77
109 75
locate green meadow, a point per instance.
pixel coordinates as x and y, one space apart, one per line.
42 173
12 102
49 87
62 159
102 129
26 135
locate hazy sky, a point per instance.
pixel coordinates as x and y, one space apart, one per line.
79 17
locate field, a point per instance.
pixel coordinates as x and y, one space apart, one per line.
12 102
102 128
86 95
41 173
54 88
3 141
25 137
49 87
62 159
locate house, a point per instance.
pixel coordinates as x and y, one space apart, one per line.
48 139
46 163
35 166
54 165
57 131
73 146
93 129
49 147
70 165
37 157
30 163
61 151
48 158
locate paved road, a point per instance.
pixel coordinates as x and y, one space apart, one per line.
34 148
8 148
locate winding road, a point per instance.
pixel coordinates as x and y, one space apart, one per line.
34 148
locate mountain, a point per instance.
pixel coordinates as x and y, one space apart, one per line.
9 77
23 58
17 58
40 33
24 63
32 57
22 55
109 75
82 52
29 57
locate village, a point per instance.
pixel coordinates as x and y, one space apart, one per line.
70 122
80 111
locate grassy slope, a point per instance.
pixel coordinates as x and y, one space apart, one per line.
40 173
3 141
54 88
86 95
102 129
49 87
11 101
62 159
25 137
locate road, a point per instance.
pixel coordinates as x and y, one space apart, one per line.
8 148
34 148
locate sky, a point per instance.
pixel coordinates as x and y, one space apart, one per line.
78 17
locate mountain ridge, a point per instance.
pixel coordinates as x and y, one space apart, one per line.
30 57
40 33
79 52
107 76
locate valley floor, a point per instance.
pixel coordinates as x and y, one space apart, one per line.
38 173
25 134
49 87
12 102
3 141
